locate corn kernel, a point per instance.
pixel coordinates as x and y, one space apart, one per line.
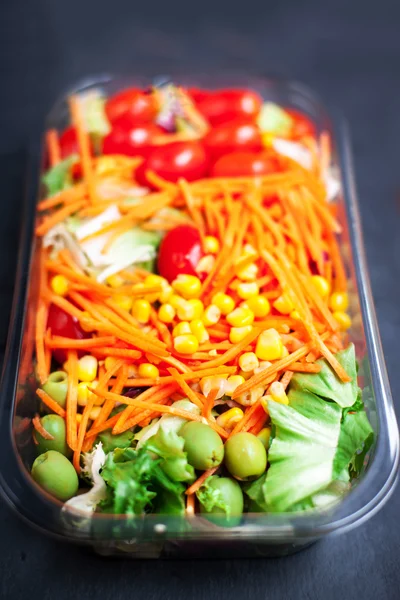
232 383
217 382
295 315
285 352
212 315
189 286
211 244
153 281
87 368
249 250
186 344
249 398
343 319
83 393
94 413
110 362
148 371
259 305
205 264
198 329
225 303
166 292
230 418
248 273
166 313
339 301
277 392
283 304
240 317
264 402
269 345
83 322
247 290
98 401
237 334
181 329
248 361
192 309
176 301
321 284
60 285
124 302
78 418
141 310
115 281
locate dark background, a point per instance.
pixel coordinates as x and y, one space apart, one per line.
349 52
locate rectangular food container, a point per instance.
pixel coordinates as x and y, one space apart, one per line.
154 535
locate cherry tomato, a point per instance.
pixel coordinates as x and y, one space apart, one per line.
61 323
232 136
198 94
245 163
225 105
133 105
172 161
133 142
302 125
180 252
69 145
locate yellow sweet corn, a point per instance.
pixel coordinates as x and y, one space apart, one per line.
124 302
141 310
212 315
186 344
232 383
60 285
189 286
321 284
343 319
339 302
211 244
277 392
148 371
181 329
191 309
230 418
237 334
225 303
248 273
283 304
94 413
259 305
217 382
247 290
87 368
166 313
269 345
198 329
240 317
248 361
115 281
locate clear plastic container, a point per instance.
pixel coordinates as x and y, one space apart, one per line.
159 536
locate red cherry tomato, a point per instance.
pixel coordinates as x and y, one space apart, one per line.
235 135
180 252
69 142
225 105
197 94
302 125
133 142
171 161
133 105
61 323
245 163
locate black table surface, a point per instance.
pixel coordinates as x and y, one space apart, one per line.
349 52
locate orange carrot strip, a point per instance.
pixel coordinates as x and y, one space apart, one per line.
57 216
91 283
286 378
72 399
190 504
41 323
199 482
40 429
84 146
77 192
53 147
63 342
66 306
50 403
300 367
172 410
121 352
81 435
247 415
186 389
209 404
234 351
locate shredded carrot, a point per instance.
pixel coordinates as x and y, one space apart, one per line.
190 505
50 403
199 482
41 324
40 429
286 378
58 216
84 146
120 352
53 147
72 399
209 404
81 435
72 344
185 388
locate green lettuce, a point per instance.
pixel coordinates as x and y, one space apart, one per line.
59 177
274 119
327 384
168 445
136 484
111 442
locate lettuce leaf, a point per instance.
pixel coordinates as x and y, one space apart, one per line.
137 484
168 445
111 442
274 119
302 453
59 177
326 383
356 437
92 463
255 491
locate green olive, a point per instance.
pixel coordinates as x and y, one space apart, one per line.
245 456
56 386
55 474
264 436
55 426
203 445
230 503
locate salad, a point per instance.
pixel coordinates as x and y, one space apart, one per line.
192 353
